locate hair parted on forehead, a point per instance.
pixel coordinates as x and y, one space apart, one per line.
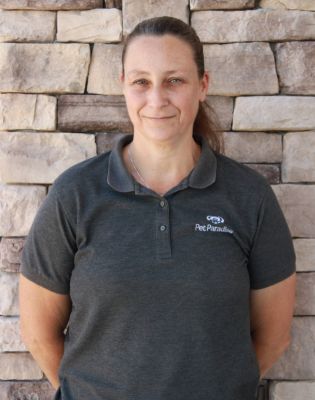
160 26
206 122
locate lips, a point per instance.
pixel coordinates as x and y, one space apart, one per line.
171 116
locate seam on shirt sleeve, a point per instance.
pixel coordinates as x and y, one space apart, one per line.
282 267
272 280
32 273
259 221
73 226
45 282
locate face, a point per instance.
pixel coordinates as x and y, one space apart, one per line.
161 87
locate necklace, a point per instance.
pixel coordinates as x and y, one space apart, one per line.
135 168
138 172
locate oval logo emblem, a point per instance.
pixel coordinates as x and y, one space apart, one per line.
215 220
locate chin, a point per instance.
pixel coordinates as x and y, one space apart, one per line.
161 134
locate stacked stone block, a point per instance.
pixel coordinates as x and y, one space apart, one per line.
61 102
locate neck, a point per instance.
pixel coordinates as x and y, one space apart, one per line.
161 164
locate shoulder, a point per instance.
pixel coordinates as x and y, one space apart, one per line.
240 177
241 186
83 174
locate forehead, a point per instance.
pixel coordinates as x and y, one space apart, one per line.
146 52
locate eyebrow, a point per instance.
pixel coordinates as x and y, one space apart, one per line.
138 71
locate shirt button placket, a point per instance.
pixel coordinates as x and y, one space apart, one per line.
163 236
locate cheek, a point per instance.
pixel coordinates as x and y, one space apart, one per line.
134 100
190 106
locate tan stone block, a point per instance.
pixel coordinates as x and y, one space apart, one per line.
9 304
292 390
234 71
270 172
297 362
40 157
113 4
305 254
19 366
270 113
221 4
297 203
134 11
223 109
50 4
296 66
10 339
305 294
10 254
93 113
106 141
18 207
253 25
105 69
27 111
14 390
298 157
47 67
22 26
101 25
288 4
253 146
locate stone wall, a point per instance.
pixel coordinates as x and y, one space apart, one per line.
60 103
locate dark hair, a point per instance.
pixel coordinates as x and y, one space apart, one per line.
206 121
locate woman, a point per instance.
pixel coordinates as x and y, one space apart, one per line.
171 264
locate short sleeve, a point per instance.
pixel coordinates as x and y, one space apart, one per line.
272 257
48 253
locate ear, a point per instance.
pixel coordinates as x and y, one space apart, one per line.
204 85
121 81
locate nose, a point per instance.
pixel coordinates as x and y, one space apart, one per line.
157 97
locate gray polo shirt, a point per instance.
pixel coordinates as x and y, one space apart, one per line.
159 285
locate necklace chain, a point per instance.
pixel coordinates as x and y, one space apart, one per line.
135 168
138 172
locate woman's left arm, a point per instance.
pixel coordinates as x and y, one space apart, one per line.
271 313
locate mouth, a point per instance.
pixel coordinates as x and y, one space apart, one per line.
167 117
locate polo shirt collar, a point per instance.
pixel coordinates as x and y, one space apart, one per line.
203 174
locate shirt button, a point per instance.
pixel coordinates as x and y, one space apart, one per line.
162 228
162 203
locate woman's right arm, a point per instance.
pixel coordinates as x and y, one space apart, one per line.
43 318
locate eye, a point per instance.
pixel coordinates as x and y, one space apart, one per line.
140 82
143 82
177 80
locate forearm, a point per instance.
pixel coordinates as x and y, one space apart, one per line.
267 354
48 355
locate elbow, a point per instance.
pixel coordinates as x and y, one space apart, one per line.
286 339
30 337
287 343
283 346
28 340
36 339
277 346
22 331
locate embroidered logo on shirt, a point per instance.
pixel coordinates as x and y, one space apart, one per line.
215 220
214 226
